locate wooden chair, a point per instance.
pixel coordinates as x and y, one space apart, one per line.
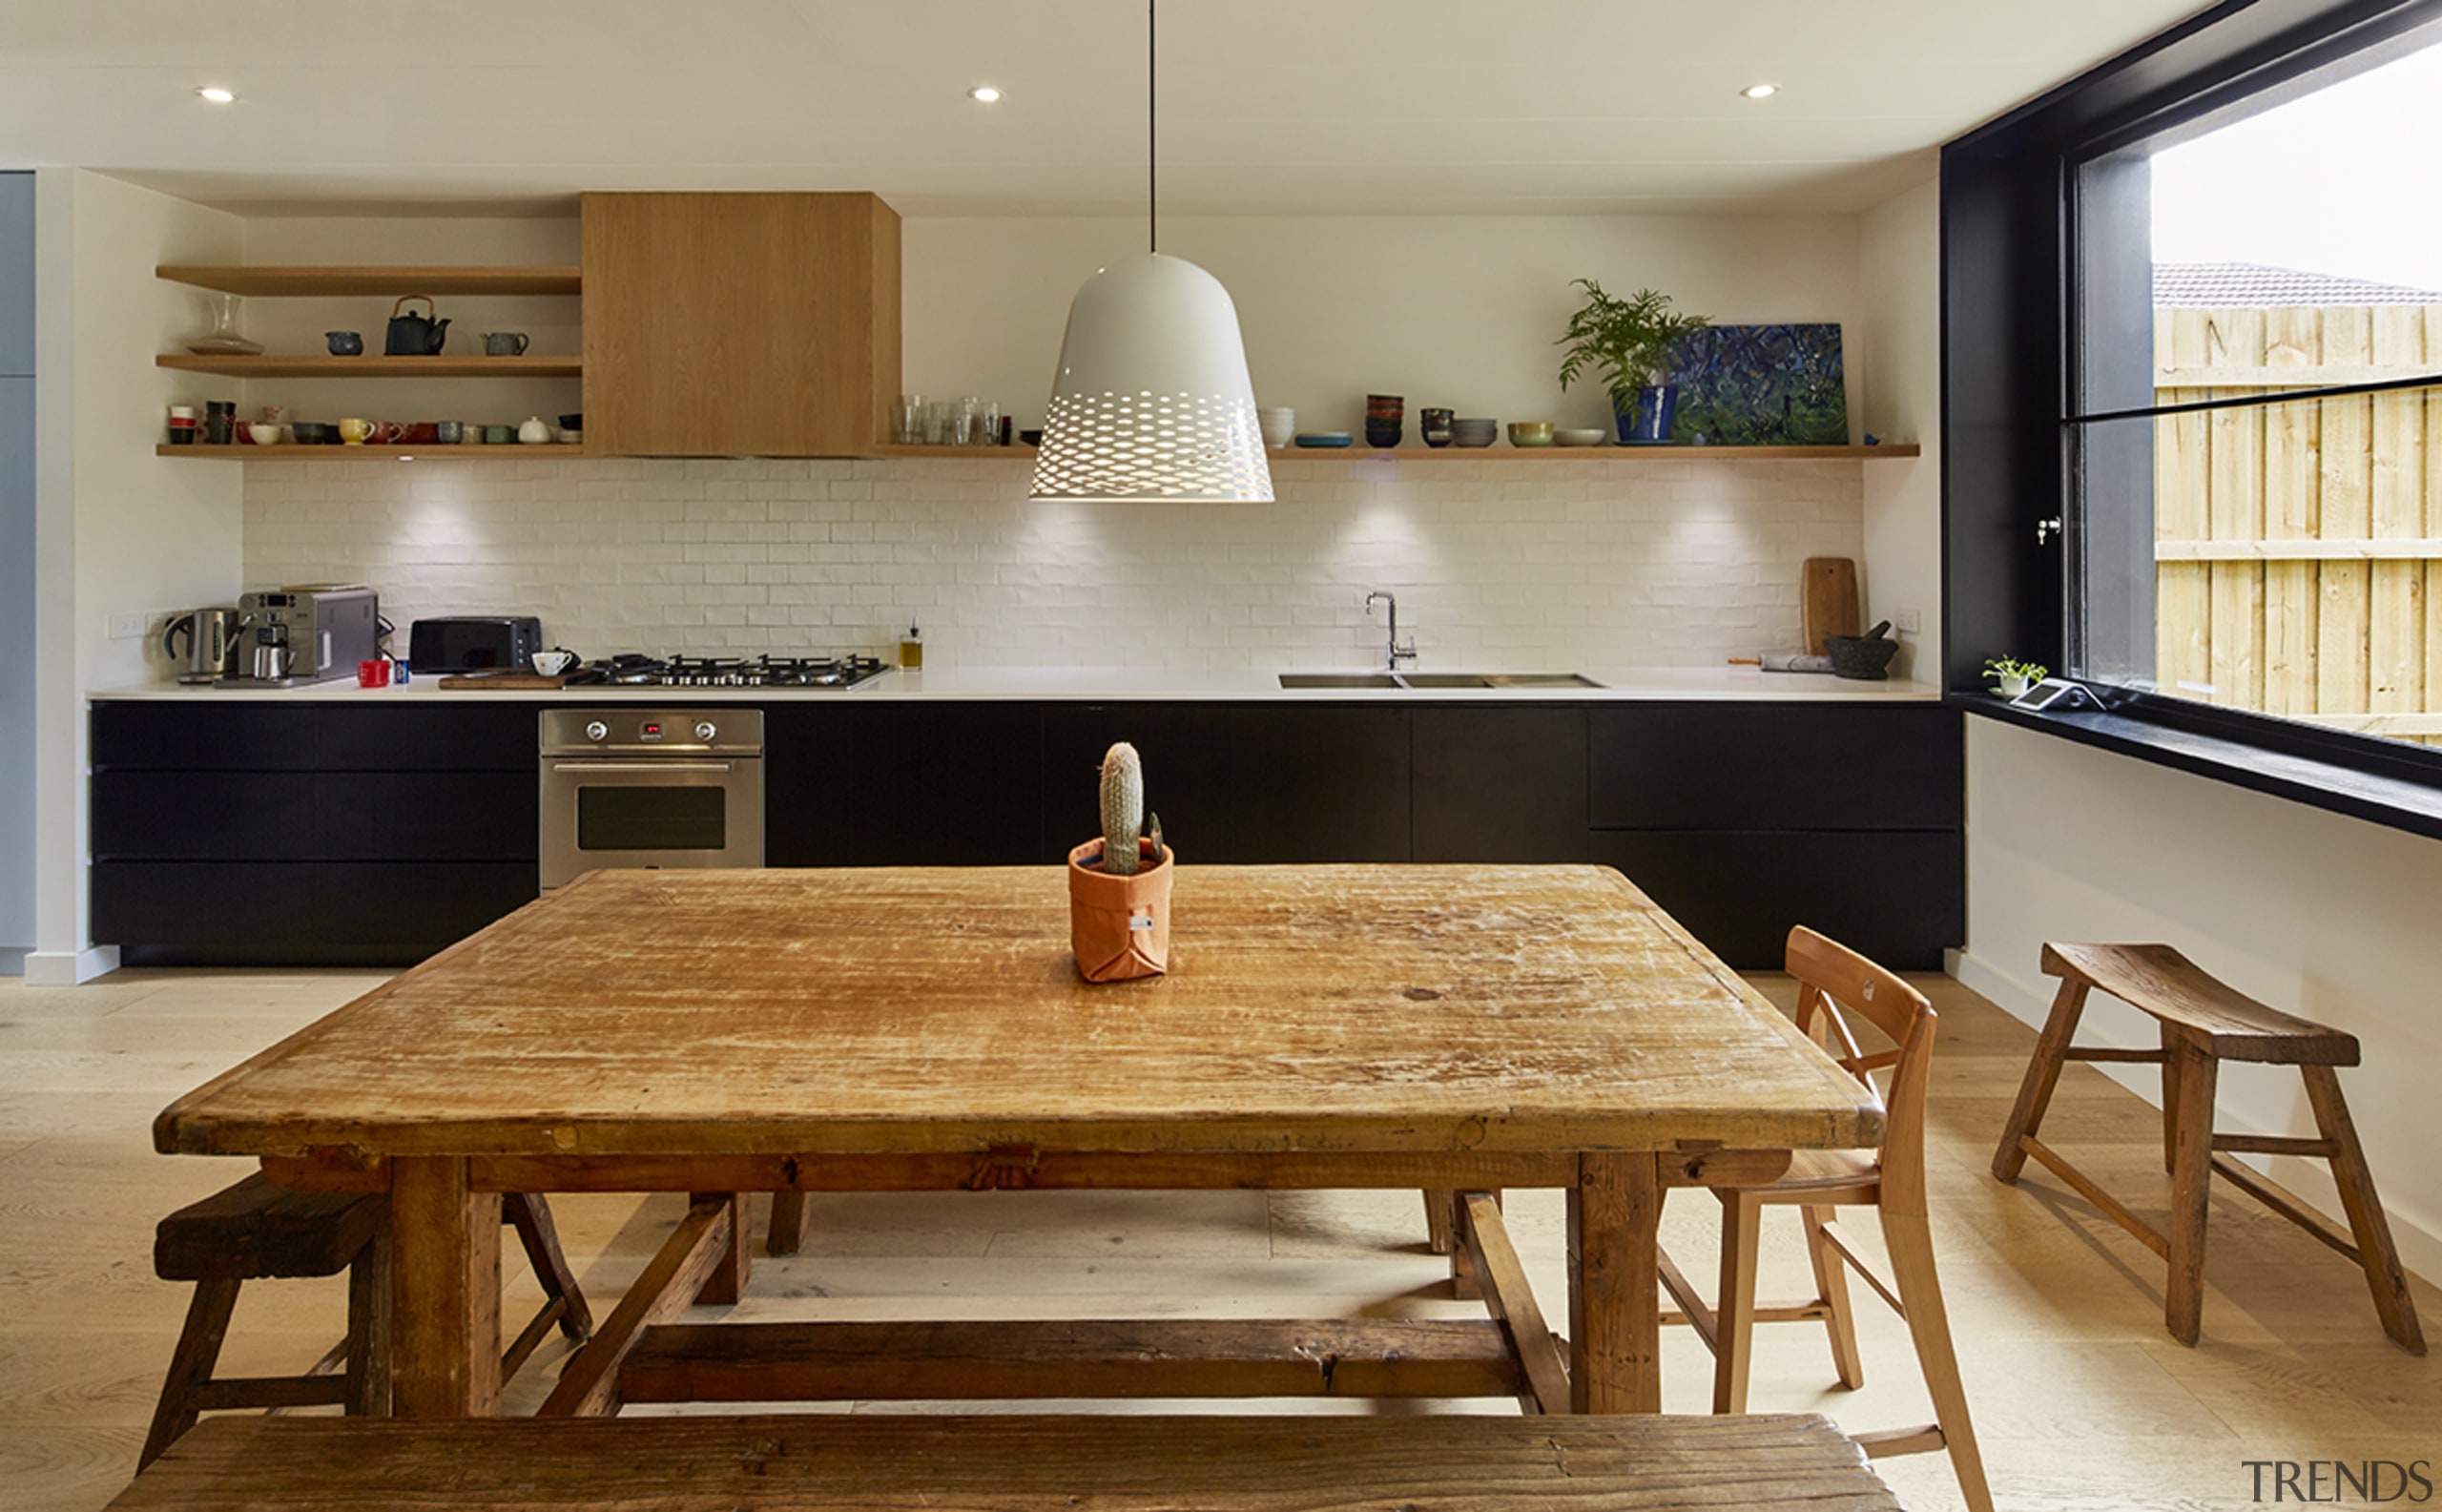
253 1230
1891 1180
2204 1022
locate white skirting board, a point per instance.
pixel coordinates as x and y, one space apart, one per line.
68 968
2310 1180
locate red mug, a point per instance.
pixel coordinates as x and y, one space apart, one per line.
374 673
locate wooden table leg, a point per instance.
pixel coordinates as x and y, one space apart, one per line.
2042 1074
445 1280
1614 1282
727 1283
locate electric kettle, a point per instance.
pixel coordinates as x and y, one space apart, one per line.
211 650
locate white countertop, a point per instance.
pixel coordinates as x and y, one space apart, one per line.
1038 684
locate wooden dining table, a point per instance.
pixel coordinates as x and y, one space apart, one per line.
1457 1028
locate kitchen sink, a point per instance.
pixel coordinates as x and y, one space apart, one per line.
1433 681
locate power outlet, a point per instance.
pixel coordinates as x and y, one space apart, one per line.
128 627
1908 621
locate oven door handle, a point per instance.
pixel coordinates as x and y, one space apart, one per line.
643 766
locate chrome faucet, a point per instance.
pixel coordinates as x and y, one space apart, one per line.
1403 653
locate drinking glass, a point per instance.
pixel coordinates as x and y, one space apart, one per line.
937 423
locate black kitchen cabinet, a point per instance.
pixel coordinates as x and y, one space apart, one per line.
1322 783
1893 895
809 784
1189 756
1765 766
269 834
1500 784
946 784
261 832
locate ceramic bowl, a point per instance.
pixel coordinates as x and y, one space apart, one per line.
1323 438
1530 433
263 435
1593 436
315 432
1475 432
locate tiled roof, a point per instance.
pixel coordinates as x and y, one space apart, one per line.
2250 285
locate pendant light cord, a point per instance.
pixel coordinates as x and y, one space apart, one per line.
1152 142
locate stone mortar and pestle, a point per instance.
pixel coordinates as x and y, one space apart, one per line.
1865 657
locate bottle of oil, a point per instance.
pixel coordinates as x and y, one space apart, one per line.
911 649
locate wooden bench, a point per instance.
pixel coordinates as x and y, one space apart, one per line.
2205 1022
833 1461
256 1229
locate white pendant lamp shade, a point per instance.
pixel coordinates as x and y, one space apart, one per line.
1152 402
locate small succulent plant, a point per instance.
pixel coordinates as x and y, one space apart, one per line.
1123 808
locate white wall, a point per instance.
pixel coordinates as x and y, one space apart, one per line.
17 569
119 530
1646 563
1903 508
1653 562
1454 311
2323 915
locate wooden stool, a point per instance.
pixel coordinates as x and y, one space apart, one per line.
2204 1023
255 1230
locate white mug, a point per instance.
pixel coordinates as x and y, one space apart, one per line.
553 662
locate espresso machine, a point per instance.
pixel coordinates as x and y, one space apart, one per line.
292 635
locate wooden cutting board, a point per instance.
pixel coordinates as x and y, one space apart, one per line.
504 680
1827 595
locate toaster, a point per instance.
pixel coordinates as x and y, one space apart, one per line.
474 643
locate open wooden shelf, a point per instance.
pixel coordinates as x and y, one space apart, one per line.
390 280
435 451
271 364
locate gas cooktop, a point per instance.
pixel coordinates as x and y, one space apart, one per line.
630 671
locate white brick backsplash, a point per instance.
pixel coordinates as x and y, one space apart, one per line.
1597 564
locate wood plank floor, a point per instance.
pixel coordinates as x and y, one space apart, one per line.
2082 1399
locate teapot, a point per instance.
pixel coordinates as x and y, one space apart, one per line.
414 335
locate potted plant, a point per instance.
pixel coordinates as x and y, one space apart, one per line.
1119 886
1629 342
2013 678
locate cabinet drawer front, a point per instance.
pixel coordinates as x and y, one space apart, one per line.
479 736
1776 766
947 785
300 913
205 816
1896 896
429 816
1500 784
1321 784
205 737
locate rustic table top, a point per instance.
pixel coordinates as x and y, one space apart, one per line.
1307 1008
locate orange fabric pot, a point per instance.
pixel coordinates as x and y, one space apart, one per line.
1120 927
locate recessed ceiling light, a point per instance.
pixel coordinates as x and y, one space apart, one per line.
983 94
218 95
1759 91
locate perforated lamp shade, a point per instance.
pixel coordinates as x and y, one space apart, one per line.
1152 402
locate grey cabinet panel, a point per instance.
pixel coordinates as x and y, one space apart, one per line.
16 275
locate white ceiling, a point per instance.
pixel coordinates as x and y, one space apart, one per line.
1299 106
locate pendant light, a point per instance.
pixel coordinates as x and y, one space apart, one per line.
1151 403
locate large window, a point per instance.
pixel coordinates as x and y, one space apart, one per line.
2192 422
2254 522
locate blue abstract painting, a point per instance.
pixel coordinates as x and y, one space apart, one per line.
1760 386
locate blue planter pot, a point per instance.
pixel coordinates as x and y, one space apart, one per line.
1649 424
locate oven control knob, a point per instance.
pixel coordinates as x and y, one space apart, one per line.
596 729
704 731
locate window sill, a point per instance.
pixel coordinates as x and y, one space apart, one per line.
2386 798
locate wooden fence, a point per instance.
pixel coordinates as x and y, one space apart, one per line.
2298 547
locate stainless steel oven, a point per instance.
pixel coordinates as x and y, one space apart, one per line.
651 788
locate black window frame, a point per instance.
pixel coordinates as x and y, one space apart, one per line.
2009 240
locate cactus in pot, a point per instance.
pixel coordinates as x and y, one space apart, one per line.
1118 890
1123 808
